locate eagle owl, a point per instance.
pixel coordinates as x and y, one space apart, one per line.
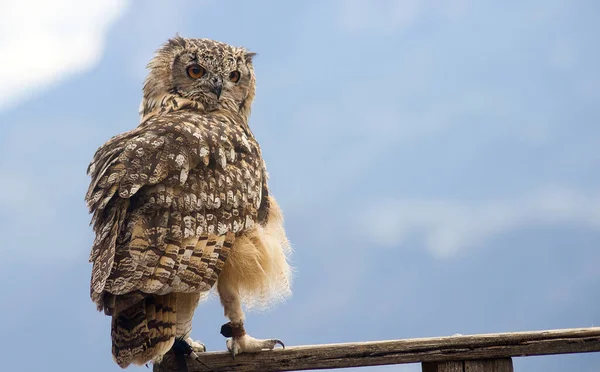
181 204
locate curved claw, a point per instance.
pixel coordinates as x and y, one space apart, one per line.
230 343
197 359
279 342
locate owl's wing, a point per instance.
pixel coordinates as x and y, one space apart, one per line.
167 199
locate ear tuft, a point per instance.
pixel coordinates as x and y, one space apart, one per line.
249 56
177 41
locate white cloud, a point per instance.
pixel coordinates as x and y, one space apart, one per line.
44 42
449 226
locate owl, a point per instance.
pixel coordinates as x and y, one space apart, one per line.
181 205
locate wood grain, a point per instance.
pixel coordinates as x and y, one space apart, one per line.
443 367
489 365
484 365
435 349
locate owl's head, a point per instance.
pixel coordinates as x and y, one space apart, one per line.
211 74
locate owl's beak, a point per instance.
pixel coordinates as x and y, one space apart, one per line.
216 86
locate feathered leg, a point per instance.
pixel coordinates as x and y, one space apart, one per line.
239 341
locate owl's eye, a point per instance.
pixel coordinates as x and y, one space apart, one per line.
234 76
195 71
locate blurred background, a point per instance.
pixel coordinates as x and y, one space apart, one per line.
437 164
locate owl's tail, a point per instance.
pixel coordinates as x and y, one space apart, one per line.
144 331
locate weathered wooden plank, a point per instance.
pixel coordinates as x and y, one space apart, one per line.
452 348
483 365
489 365
443 367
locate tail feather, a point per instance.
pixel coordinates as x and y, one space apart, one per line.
144 331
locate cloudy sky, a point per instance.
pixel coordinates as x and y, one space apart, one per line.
437 163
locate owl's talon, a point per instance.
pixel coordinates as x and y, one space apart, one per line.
196 346
248 344
190 347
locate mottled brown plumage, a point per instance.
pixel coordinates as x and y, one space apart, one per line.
181 202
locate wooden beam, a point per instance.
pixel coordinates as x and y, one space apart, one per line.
435 349
443 367
489 365
484 365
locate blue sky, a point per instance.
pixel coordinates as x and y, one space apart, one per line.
436 163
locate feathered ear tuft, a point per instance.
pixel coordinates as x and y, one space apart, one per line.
177 41
249 56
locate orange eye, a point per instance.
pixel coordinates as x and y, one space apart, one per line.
234 76
195 71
